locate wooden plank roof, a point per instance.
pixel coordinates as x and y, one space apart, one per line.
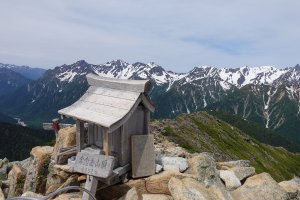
107 101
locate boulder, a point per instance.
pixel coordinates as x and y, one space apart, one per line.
38 169
16 178
3 162
70 196
3 168
130 195
230 164
260 187
243 172
32 194
178 162
158 168
230 179
191 189
219 192
2 197
156 197
66 138
292 187
158 184
204 168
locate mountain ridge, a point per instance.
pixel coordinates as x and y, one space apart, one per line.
258 94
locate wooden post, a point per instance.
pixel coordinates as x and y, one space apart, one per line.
91 139
79 135
106 142
91 185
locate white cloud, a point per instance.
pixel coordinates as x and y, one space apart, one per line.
176 34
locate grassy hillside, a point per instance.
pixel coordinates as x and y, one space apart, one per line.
262 134
201 132
17 141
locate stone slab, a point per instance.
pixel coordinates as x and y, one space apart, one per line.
143 156
95 165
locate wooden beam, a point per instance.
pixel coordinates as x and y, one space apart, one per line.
106 142
91 139
79 135
91 185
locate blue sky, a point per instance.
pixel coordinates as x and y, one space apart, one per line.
176 34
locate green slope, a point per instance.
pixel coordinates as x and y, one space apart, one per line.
262 134
17 141
199 132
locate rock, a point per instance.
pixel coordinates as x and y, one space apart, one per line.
71 181
5 184
230 164
3 162
65 168
3 172
130 195
230 179
66 138
188 189
16 178
37 171
179 162
25 163
260 187
243 172
32 194
292 187
156 197
158 168
219 192
204 168
70 196
158 184
2 197
3 168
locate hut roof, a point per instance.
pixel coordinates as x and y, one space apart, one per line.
109 102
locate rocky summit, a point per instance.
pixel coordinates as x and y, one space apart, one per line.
181 174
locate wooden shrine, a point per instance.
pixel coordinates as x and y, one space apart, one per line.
116 113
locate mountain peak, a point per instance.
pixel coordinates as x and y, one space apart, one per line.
81 62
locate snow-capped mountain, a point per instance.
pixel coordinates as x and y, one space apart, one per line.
28 72
267 95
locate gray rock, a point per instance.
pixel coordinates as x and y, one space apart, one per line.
191 189
179 162
188 191
243 172
3 162
204 168
230 179
25 163
158 168
260 187
292 187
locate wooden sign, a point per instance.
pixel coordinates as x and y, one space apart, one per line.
95 165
